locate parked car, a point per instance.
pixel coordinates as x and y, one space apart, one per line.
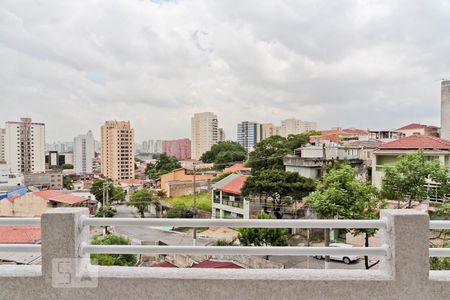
345 259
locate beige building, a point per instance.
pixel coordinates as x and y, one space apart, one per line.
294 126
24 144
117 150
268 130
204 132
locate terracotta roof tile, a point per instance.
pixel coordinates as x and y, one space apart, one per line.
57 196
234 186
237 167
209 264
412 126
19 235
417 142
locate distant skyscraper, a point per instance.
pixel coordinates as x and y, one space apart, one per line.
268 130
445 109
181 148
117 150
248 134
294 126
221 135
204 132
2 144
25 146
83 153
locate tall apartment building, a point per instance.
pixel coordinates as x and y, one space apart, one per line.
25 146
2 144
181 148
221 135
83 153
294 126
268 130
445 109
204 133
248 134
117 150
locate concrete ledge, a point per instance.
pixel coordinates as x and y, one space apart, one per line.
20 271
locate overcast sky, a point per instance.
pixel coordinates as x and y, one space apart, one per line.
367 64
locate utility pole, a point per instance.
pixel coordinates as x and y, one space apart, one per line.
194 230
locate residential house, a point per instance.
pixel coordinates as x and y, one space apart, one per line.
19 235
36 203
419 129
179 182
388 154
238 168
309 161
227 199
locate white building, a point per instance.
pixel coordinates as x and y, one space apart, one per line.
83 153
294 126
268 130
2 144
445 109
9 179
25 146
204 132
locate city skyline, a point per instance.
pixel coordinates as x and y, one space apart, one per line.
181 57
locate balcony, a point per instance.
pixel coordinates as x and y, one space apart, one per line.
403 272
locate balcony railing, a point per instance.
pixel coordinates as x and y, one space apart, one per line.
403 272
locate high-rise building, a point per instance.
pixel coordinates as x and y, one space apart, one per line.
221 135
181 148
117 150
268 130
445 109
2 144
25 146
204 132
294 126
83 153
248 134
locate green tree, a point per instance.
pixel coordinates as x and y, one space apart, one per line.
141 199
113 259
440 263
116 194
164 164
340 195
277 188
224 242
263 236
179 211
295 141
268 154
405 180
224 153
67 166
68 182
105 212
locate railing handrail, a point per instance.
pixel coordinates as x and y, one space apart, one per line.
28 248
236 223
6 221
439 224
234 250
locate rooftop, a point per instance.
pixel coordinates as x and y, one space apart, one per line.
237 167
417 142
414 126
58 196
19 235
235 185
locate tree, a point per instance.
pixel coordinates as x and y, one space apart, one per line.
161 195
141 199
67 166
116 194
406 179
113 259
340 195
105 212
164 164
179 211
263 236
295 141
68 182
277 188
221 176
224 153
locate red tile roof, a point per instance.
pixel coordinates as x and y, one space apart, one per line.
19 235
412 126
209 264
132 181
328 137
57 196
234 186
349 131
417 142
237 167
164 264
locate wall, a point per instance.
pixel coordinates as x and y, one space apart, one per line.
180 175
28 205
404 274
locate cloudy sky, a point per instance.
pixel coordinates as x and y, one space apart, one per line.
75 64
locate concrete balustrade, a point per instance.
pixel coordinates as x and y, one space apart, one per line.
402 274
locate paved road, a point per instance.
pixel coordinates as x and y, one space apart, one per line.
145 233
153 234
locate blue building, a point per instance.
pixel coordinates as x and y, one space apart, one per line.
248 134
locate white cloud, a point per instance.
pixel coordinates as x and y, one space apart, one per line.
75 64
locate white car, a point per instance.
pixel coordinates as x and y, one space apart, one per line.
345 259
